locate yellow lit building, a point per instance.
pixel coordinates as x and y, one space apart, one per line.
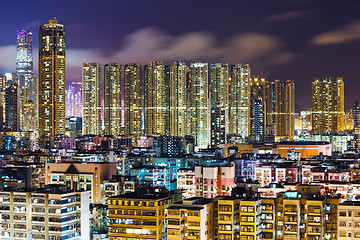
51 85
133 104
157 121
268 215
191 219
29 123
91 119
178 103
138 216
283 114
327 105
239 100
249 216
199 104
227 218
112 99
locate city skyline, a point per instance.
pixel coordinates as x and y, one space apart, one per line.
322 45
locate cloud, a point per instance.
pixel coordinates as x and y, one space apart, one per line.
347 33
288 16
7 58
152 44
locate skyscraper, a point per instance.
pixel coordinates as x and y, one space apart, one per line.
157 99
112 98
218 125
11 107
356 132
258 107
91 78
327 105
133 100
29 115
219 82
24 58
284 108
199 104
178 95
51 87
239 100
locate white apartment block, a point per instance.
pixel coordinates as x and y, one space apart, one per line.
186 182
264 175
44 214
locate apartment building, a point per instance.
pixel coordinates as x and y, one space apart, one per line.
212 181
186 182
191 219
138 215
349 220
81 176
45 214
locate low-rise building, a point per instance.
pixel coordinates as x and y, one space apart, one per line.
138 215
45 214
193 218
81 176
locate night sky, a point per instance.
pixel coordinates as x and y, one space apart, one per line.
281 39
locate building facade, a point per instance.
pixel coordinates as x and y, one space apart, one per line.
112 99
45 214
91 78
157 99
199 104
327 105
133 99
239 100
178 99
51 84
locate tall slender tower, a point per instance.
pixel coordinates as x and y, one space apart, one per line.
91 77
112 99
24 58
258 107
11 107
178 95
51 87
284 108
199 104
133 100
239 100
356 132
156 99
328 105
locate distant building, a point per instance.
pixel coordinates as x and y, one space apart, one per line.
51 84
356 131
239 100
306 149
283 111
178 94
218 125
91 77
133 100
327 105
29 115
157 99
112 99
12 111
199 104
258 107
